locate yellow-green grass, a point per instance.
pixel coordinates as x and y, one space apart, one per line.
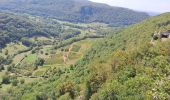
55 59
29 80
76 48
77 51
40 38
13 48
31 58
40 71
5 88
19 57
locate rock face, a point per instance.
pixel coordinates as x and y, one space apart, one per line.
165 34
161 35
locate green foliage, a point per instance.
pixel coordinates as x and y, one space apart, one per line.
22 81
15 27
67 87
5 79
41 97
39 62
1 67
6 52
15 82
65 97
87 92
123 66
76 48
10 67
77 11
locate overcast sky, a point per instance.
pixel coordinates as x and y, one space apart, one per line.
141 5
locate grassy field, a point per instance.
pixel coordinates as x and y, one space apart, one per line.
30 58
12 48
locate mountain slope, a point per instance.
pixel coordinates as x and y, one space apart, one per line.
75 11
125 65
14 27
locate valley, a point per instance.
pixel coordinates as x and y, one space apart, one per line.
66 38
82 50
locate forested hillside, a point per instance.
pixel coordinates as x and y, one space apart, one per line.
14 28
125 65
32 46
75 11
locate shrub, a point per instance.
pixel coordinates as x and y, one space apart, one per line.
6 52
41 52
10 67
39 62
46 54
22 81
0 85
15 82
68 87
1 67
41 97
5 79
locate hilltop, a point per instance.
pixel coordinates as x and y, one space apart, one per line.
76 11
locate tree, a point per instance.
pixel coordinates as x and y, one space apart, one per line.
67 87
39 62
22 81
10 67
87 92
15 82
1 67
2 59
6 52
41 96
5 79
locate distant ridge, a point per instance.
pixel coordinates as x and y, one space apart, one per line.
76 11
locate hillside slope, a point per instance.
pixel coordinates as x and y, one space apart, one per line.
125 65
75 11
13 27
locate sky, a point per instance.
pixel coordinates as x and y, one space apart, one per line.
158 6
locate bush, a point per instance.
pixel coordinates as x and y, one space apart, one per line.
5 79
87 92
39 62
1 67
65 97
42 52
41 97
10 67
46 54
6 52
15 82
0 85
68 87
22 81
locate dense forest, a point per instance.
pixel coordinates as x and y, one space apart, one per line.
76 11
125 65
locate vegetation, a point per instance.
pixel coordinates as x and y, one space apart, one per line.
43 58
76 11
14 27
124 65
39 62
